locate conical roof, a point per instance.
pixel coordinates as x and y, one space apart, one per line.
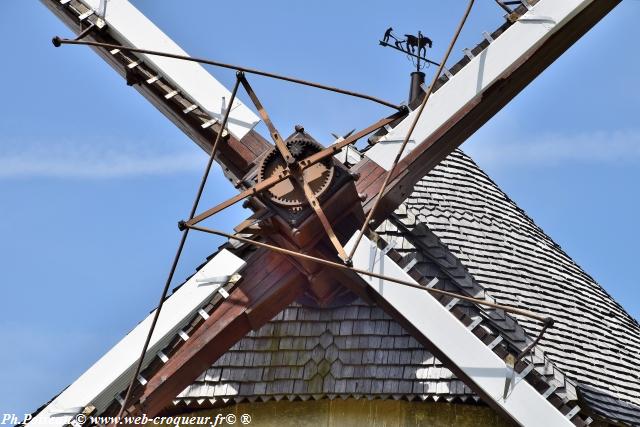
460 227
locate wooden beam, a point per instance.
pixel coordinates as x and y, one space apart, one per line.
268 285
451 341
474 114
236 156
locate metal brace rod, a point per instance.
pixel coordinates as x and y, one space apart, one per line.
547 323
333 149
176 258
315 205
304 164
58 41
337 265
378 198
275 135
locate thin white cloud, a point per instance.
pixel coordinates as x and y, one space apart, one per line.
601 148
83 160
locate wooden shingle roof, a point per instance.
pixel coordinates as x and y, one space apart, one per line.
594 341
458 226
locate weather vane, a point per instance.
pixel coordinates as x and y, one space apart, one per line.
413 46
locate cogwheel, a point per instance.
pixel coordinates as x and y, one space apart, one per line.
287 193
296 148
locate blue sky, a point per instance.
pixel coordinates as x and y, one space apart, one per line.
93 179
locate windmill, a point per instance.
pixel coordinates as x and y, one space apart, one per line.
312 233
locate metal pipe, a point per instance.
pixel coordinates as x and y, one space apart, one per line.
376 203
57 41
333 264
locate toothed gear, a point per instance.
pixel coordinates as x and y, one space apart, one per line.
286 193
296 148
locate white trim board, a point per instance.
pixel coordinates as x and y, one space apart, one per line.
130 27
529 32
110 375
523 403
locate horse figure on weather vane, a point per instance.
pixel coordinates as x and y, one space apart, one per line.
414 46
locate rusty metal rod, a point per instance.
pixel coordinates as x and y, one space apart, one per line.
333 264
183 239
504 7
86 31
275 135
315 204
252 191
548 322
304 164
57 41
378 198
333 149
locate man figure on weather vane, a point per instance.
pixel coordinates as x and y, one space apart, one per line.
389 34
415 46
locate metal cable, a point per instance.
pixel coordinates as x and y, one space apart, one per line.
413 126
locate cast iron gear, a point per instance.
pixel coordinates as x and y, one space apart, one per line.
287 193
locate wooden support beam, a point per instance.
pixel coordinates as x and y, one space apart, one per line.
236 156
474 114
268 285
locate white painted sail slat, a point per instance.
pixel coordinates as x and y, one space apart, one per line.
529 32
523 403
130 27
111 373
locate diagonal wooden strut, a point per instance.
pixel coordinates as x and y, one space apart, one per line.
269 284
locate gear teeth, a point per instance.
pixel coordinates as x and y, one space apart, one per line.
296 148
300 148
